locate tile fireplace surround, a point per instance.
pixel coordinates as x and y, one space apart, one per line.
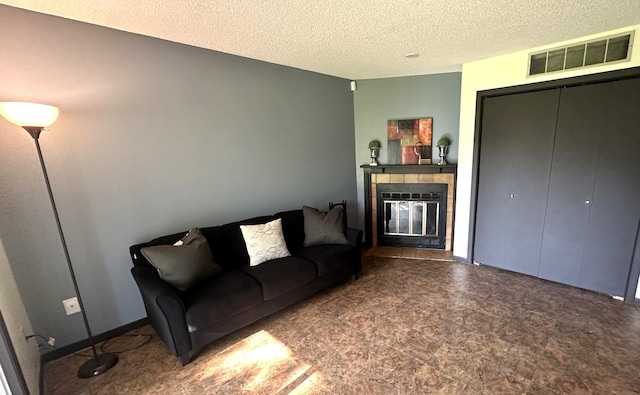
405 174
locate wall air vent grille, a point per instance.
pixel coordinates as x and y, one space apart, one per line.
597 52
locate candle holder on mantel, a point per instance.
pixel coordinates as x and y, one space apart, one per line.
442 152
443 149
374 147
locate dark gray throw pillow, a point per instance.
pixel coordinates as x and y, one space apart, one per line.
185 262
323 228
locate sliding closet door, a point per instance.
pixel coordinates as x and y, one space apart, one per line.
615 209
594 208
575 159
515 162
494 184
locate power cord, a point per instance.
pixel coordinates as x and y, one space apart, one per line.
50 342
104 350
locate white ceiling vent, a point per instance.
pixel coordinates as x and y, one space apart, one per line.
600 51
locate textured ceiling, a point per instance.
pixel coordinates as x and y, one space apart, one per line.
355 39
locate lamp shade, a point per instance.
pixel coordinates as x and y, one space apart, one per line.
29 114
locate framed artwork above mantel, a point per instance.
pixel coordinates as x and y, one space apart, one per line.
409 141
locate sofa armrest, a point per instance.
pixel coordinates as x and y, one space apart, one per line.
164 308
354 237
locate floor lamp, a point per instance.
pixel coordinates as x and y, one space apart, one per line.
34 118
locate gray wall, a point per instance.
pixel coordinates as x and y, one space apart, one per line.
153 137
377 101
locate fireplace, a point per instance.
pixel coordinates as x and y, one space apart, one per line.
412 215
419 205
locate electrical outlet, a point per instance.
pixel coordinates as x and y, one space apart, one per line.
71 306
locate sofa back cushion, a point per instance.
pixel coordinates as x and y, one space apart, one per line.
293 229
227 243
234 253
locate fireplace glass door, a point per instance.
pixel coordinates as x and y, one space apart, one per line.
411 215
411 218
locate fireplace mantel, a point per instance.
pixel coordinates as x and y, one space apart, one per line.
409 169
401 174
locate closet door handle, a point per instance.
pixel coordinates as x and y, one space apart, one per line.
588 201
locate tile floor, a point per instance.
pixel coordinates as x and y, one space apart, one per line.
406 326
410 253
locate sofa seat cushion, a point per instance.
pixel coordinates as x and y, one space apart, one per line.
282 275
329 257
224 295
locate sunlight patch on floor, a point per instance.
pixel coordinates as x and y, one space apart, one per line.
312 385
261 363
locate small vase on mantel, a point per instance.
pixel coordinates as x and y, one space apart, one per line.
443 149
374 147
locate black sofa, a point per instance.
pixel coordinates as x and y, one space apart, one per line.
240 294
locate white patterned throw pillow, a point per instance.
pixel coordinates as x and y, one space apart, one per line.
264 242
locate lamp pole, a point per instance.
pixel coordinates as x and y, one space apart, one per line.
99 363
34 118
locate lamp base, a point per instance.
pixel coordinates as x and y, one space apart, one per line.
97 365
